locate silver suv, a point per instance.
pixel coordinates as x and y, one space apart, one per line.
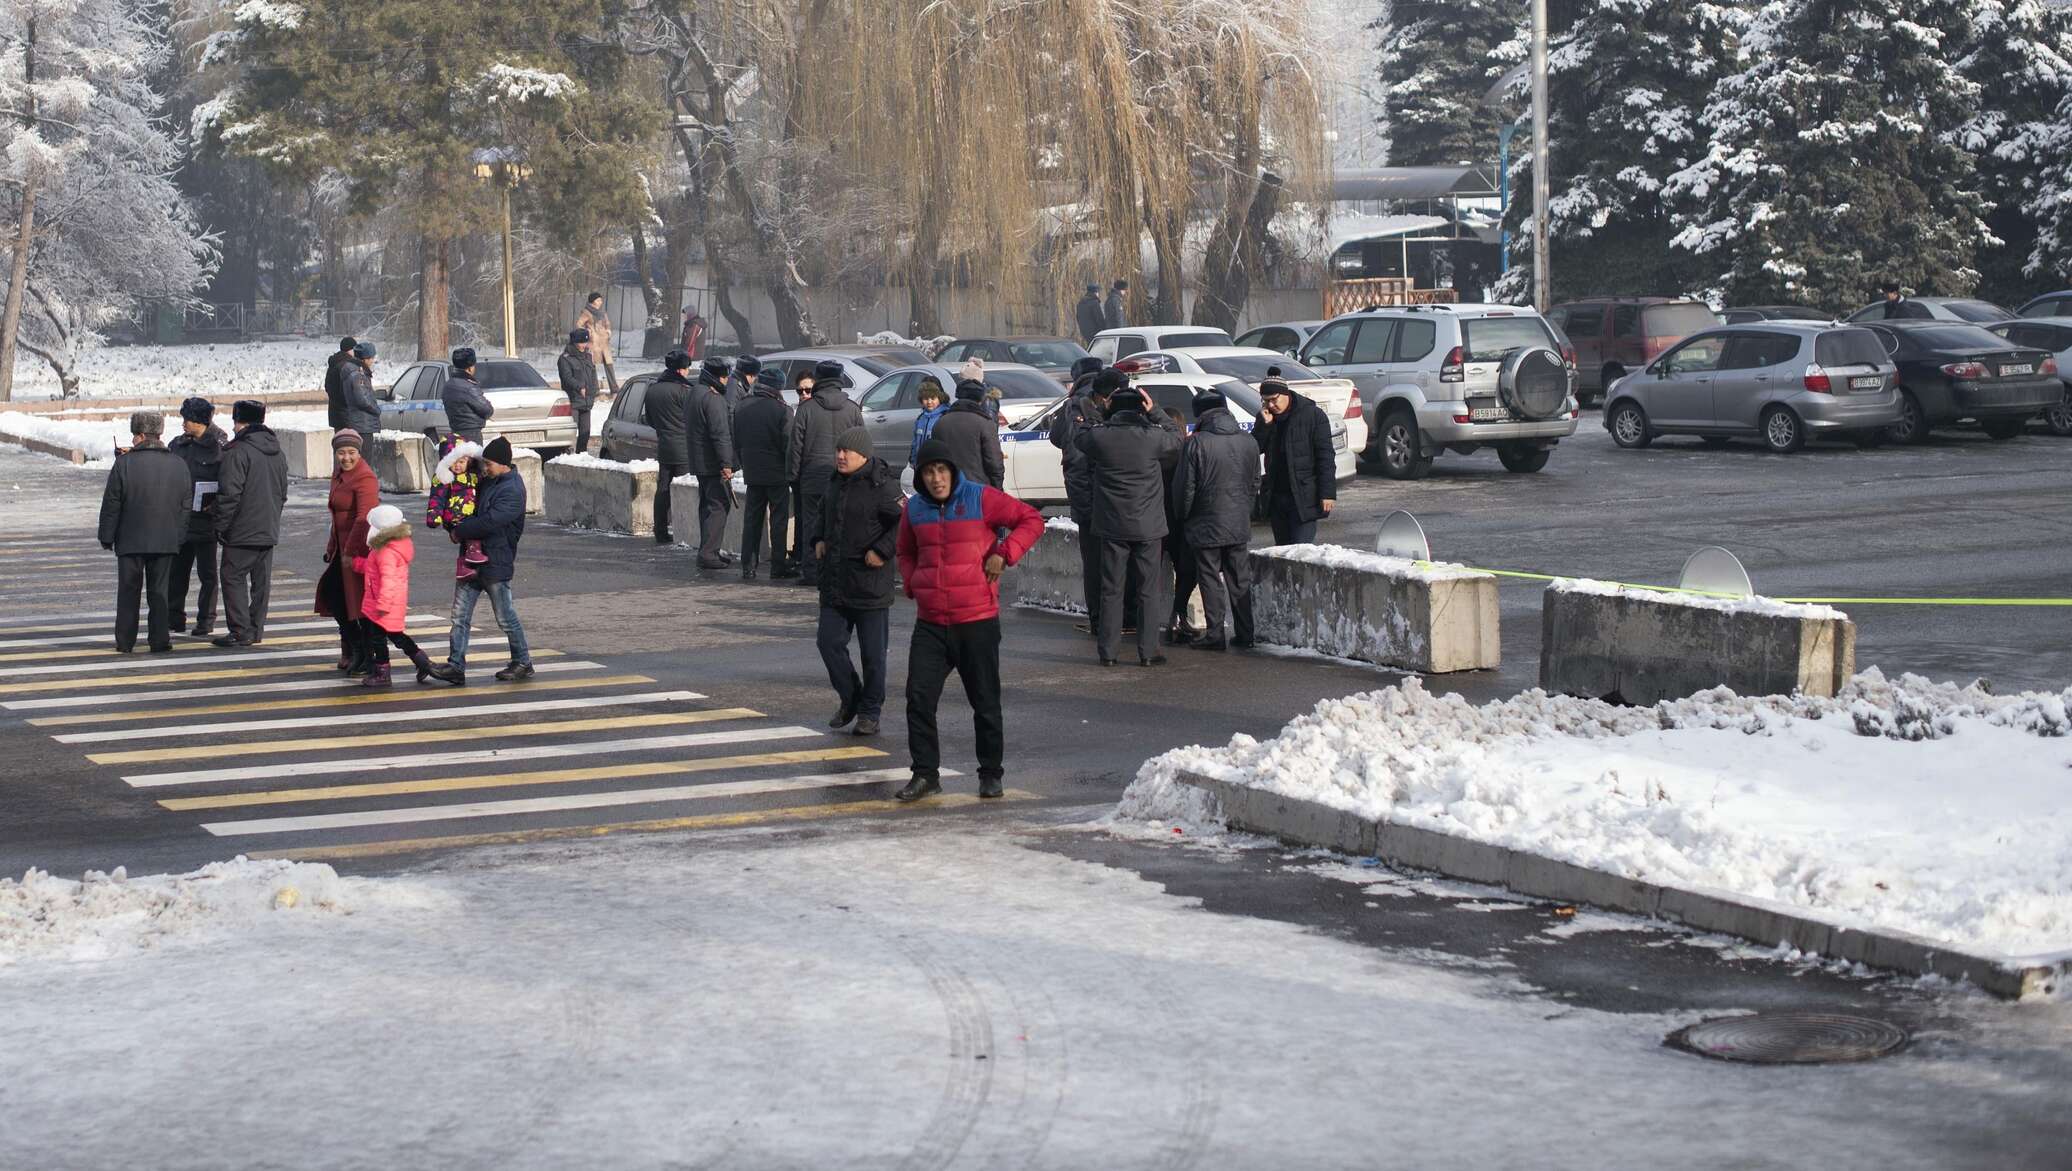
1457 378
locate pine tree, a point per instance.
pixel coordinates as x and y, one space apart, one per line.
2050 208
1438 59
1830 168
2019 54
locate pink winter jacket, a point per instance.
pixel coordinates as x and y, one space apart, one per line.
387 570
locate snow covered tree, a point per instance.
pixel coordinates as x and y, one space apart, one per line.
1438 58
2050 208
2019 54
99 226
1830 168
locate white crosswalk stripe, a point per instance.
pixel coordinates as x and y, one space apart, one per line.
106 632
444 714
237 689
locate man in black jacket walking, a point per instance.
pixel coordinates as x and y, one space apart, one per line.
1219 478
144 520
762 435
1112 311
1301 469
578 371
334 382
820 422
973 436
710 438
251 494
859 540
201 445
1130 455
669 401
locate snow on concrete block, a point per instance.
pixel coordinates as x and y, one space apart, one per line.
532 471
1357 605
683 514
402 460
308 452
583 491
1605 641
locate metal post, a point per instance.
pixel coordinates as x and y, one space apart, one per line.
1503 191
1542 285
510 298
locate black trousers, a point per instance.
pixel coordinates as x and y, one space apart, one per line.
1288 526
1181 555
143 577
972 650
1120 560
715 501
772 504
1089 565
873 629
798 528
669 474
247 590
378 641
196 554
582 418
352 633
812 500
1225 574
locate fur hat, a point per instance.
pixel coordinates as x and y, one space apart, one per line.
1110 380
676 360
827 370
713 371
383 516
498 451
1207 401
578 336
464 358
748 364
460 451
197 410
970 390
147 423
346 344
1085 367
346 437
248 410
1128 398
856 439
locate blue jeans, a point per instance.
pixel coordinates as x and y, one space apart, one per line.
465 595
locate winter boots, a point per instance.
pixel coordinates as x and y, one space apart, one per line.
918 788
377 676
425 668
515 673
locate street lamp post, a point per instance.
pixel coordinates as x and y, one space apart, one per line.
501 167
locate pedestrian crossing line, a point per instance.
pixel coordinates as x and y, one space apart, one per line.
398 694
190 645
143 661
446 715
361 764
42 589
103 633
103 628
91 684
445 734
343 690
704 821
559 776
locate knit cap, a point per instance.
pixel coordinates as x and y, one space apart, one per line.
856 439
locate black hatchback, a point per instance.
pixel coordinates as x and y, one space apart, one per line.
1951 372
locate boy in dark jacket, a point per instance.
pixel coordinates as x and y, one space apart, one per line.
859 538
143 521
249 501
360 409
1219 477
201 445
762 435
498 522
1294 433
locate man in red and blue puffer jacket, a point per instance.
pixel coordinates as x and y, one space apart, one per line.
956 537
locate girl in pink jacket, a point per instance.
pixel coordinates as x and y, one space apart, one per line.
386 602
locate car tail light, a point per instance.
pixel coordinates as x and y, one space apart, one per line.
1453 369
1130 366
1352 408
561 411
1568 355
1818 382
1965 370
1464 418
2050 366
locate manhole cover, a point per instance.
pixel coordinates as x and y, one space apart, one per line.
1791 1038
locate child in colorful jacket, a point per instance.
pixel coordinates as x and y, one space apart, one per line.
453 499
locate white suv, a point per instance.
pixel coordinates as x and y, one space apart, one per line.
1113 345
1457 378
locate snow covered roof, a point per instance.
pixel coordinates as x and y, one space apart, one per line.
1355 228
1411 183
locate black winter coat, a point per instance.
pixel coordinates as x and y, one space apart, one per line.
861 516
254 490
973 437
1219 479
467 408
1091 319
362 411
144 506
1078 415
762 433
668 406
1129 456
204 456
578 372
498 522
1300 442
334 388
815 430
710 434
1113 309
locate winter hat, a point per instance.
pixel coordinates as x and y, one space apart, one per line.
1083 367
827 370
363 350
248 410
1094 289
383 516
713 370
930 388
498 451
676 360
748 365
461 449
970 390
856 439
147 423
345 437
1208 401
935 451
1274 384
578 336
346 343
197 410
973 369
1126 399
1110 380
464 358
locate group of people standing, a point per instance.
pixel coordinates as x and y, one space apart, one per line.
1094 315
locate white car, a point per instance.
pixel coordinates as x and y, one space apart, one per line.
1113 345
1339 397
529 413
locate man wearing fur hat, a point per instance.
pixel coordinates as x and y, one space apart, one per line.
578 370
144 521
249 499
467 408
201 446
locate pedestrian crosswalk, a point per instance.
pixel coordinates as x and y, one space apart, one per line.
269 751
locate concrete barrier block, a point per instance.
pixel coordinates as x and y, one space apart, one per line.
583 491
1048 575
1642 646
308 452
1357 605
533 471
402 461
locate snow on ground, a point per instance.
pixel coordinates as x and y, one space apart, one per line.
232 370
95 437
1909 805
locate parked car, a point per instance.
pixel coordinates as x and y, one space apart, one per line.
1743 314
1285 337
1780 381
1052 355
529 413
1113 345
892 403
1612 335
1249 366
2058 304
861 365
2055 337
1932 309
1955 372
1457 378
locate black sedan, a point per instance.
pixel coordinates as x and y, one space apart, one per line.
1953 373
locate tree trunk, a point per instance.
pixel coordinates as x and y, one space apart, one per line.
1235 256
434 286
677 237
1167 242
17 287
924 312
722 276
655 338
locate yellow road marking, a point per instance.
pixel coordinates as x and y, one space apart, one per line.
104 682
181 647
661 825
440 735
545 777
398 695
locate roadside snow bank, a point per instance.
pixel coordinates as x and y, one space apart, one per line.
1362 561
586 460
1925 807
1748 605
95 437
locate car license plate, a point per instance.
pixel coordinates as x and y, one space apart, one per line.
1869 382
1489 415
1338 441
2011 371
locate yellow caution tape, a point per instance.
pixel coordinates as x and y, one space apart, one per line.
1795 601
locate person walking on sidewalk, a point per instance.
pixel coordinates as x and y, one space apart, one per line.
762 433
810 461
1129 455
201 445
1301 470
467 408
354 494
956 537
670 400
498 522
859 539
972 436
362 411
599 323
578 372
710 439
249 500
144 510
693 332
386 567
334 382
1219 479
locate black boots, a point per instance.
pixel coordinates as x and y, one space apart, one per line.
918 788
843 715
515 673
425 669
990 787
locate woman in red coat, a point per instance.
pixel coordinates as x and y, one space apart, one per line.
354 493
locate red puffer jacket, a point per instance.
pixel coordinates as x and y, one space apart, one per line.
943 547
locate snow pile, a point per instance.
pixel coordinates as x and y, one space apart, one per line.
95 437
1359 560
1749 605
219 371
586 460
1930 808
930 346
1062 524
105 916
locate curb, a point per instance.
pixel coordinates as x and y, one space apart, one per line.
1308 823
44 447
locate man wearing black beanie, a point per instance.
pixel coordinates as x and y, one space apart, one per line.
201 445
334 382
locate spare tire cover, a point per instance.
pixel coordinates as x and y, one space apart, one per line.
1535 383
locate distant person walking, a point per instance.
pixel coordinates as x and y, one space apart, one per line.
386 604
1129 455
956 537
670 400
1301 469
468 410
1092 319
710 438
498 522
599 323
859 540
819 424
201 446
251 495
578 371
362 411
144 510
1218 481
334 382
694 328
1113 310
762 436
972 436
354 494
933 403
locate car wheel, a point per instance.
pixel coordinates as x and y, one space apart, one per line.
1715 440
1629 425
1913 425
1399 447
2003 429
1782 431
1523 457
2059 417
